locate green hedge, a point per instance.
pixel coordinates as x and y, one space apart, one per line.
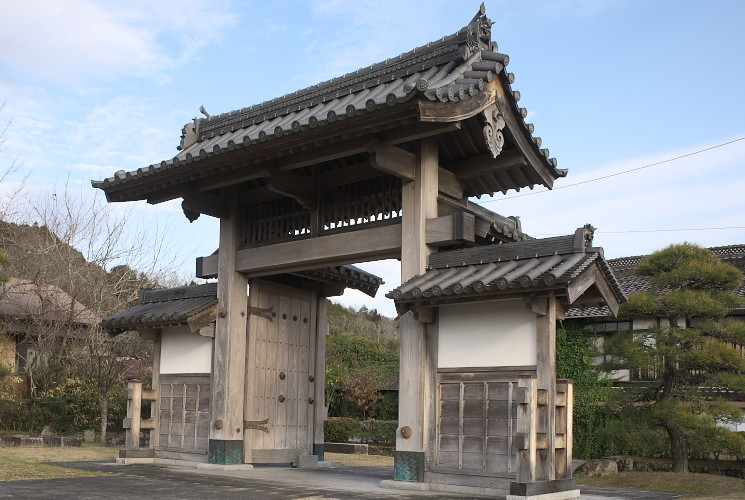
73 413
342 429
30 416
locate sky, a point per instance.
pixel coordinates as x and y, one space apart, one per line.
644 95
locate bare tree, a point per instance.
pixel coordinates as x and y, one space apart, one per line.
79 245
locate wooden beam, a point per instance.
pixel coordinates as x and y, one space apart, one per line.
203 203
301 189
449 229
383 242
417 131
392 160
322 154
449 184
435 111
606 292
202 319
480 165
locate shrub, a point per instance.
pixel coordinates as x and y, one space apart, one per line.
338 429
377 431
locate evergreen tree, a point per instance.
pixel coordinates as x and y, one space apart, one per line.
692 348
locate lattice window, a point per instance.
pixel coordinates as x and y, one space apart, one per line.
275 220
359 203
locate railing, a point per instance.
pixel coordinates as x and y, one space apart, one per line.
134 422
537 445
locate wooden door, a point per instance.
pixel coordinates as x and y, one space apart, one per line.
280 374
476 423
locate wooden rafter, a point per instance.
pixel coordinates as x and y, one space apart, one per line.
301 189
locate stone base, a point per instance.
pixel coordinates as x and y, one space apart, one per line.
403 485
183 463
561 495
134 461
307 462
408 466
225 452
559 489
141 453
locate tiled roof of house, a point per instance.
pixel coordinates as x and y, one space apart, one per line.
624 268
24 299
521 266
455 68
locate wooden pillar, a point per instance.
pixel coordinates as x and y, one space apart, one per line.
134 410
229 355
155 405
527 399
320 384
564 424
546 372
419 204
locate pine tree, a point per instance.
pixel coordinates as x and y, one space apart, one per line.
692 348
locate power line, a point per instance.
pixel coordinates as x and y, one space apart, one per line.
659 230
617 173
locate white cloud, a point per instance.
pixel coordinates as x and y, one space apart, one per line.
80 40
693 192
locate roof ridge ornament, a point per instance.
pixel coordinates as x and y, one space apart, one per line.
479 33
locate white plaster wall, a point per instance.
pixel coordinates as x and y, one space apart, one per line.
644 324
500 333
182 351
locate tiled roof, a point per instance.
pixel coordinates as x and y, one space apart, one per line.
165 307
455 68
24 299
520 266
349 276
174 306
624 268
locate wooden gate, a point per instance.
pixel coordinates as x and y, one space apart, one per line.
476 423
280 374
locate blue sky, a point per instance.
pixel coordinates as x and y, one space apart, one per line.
93 87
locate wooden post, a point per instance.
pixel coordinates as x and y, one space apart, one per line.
229 356
320 374
419 199
564 423
134 408
527 399
546 373
155 405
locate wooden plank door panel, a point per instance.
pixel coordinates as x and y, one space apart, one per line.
279 364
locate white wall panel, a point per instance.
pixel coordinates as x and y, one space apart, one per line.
499 333
182 351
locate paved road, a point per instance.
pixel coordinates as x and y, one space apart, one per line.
174 482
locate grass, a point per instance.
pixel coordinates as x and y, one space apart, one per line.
18 463
702 486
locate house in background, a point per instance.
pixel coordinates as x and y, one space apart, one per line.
31 314
603 325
